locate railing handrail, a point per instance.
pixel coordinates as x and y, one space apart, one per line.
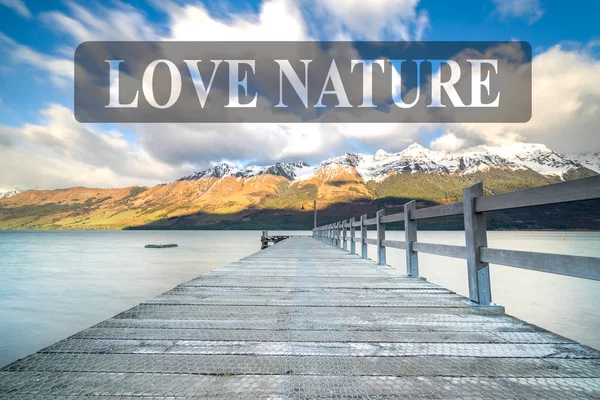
478 255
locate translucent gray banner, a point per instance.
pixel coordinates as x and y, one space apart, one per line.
303 82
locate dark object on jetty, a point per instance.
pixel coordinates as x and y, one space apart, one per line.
160 246
265 239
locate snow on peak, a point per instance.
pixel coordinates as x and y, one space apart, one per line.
380 155
417 158
8 193
535 156
415 150
589 161
348 159
287 170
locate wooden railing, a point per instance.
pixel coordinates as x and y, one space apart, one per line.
476 251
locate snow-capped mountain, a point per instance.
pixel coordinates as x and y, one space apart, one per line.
590 161
537 157
288 170
8 193
519 156
416 158
229 196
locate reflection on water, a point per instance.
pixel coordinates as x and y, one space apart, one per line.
55 284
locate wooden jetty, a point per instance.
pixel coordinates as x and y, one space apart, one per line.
304 319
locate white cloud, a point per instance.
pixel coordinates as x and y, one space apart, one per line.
370 20
59 69
196 144
276 20
527 9
566 106
124 22
62 152
448 142
17 6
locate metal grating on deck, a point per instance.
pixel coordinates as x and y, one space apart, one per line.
304 320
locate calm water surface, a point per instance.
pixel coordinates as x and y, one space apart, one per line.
57 283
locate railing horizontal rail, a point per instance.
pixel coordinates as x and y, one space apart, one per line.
564 192
392 218
476 252
396 244
443 210
441 249
561 264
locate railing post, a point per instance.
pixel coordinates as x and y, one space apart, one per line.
330 234
363 235
344 236
476 237
410 236
339 232
352 235
380 238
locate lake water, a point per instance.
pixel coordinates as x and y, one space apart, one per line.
57 283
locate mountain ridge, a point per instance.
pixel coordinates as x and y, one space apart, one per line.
417 158
228 195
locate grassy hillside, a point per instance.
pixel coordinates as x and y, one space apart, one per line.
444 188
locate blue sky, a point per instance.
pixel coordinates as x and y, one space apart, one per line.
37 39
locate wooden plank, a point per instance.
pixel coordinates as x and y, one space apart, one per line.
372 366
314 348
575 266
371 221
363 235
564 192
396 244
392 218
443 210
381 255
410 237
352 236
371 241
476 237
441 249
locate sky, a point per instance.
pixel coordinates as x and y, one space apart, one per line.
42 146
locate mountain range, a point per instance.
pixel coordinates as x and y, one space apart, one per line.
280 195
